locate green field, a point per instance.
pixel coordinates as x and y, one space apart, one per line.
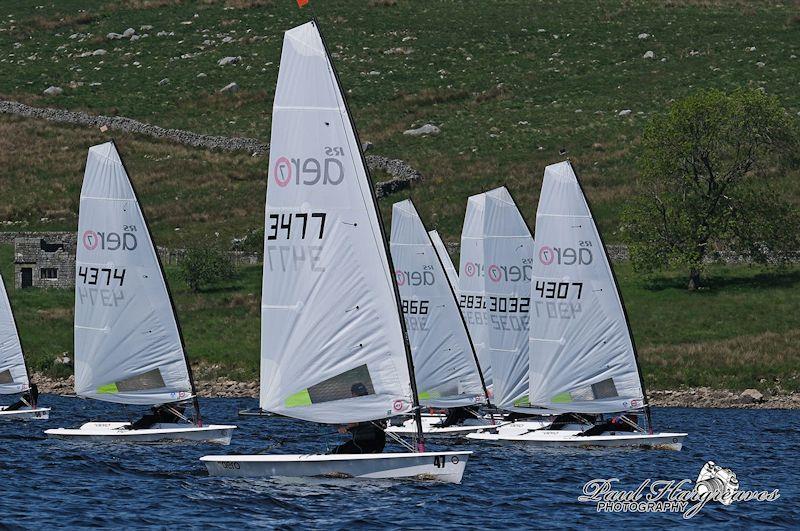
510 83
744 329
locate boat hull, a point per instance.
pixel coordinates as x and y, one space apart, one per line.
571 439
116 432
430 431
446 467
39 413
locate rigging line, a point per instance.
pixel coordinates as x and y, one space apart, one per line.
396 438
632 424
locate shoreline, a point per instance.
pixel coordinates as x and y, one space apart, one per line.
698 397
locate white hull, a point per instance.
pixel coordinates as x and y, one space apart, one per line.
447 467
431 431
39 413
516 433
116 432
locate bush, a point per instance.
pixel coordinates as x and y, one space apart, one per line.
204 264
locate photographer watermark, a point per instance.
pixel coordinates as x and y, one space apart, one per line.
714 483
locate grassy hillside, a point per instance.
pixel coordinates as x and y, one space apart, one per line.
743 332
510 82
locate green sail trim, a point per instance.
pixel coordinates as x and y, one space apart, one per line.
522 401
108 389
299 399
427 395
562 398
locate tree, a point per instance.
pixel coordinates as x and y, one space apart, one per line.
205 263
710 173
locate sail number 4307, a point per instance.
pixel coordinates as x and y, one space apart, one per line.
558 290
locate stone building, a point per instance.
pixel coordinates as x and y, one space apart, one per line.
44 260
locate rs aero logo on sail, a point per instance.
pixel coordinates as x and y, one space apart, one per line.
499 272
582 255
110 241
310 171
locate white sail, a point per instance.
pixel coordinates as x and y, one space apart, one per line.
330 320
582 354
470 283
445 366
447 262
13 373
127 344
506 274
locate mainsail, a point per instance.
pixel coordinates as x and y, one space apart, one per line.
470 282
13 373
128 348
332 340
447 262
445 365
582 353
506 273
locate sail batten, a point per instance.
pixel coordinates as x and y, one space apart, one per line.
128 347
332 344
582 356
445 366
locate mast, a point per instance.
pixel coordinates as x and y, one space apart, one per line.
398 309
461 315
647 412
195 401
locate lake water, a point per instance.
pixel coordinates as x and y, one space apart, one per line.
59 483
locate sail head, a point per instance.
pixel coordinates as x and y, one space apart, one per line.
447 262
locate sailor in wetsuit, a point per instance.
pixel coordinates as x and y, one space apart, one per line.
28 399
367 437
163 414
623 423
457 415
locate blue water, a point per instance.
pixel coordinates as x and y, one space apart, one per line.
60 483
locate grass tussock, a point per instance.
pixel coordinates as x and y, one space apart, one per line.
50 23
433 96
494 93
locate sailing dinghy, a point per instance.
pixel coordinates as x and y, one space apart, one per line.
445 364
582 356
333 341
13 371
128 346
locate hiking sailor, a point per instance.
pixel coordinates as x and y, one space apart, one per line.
367 437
